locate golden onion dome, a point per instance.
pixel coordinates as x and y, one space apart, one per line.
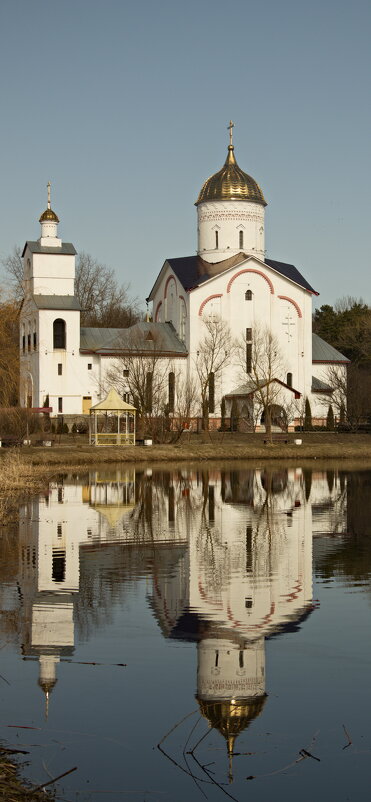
49 215
231 183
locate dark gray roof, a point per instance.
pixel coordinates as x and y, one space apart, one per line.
324 352
319 386
65 302
193 270
35 247
291 272
142 337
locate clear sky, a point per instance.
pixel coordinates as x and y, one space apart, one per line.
124 107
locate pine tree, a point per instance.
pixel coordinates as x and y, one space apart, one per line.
222 415
307 416
330 423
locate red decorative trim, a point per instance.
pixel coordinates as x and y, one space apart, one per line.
159 305
218 295
250 270
167 284
290 300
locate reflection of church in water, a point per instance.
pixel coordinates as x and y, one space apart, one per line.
229 554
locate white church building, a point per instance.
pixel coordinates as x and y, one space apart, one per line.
64 366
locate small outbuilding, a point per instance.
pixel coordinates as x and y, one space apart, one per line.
112 422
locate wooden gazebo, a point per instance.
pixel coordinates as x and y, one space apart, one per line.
112 422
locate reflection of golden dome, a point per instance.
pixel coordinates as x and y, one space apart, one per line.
49 215
47 686
231 183
231 717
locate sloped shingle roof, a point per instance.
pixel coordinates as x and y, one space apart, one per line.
64 302
142 337
193 270
324 352
35 247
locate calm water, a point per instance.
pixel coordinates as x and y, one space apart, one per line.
175 633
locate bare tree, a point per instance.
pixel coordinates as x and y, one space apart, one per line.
141 374
103 300
9 353
214 352
351 393
262 363
185 404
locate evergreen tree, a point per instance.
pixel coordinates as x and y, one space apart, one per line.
222 415
330 423
307 416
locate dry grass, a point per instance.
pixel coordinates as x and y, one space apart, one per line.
12 788
18 478
208 447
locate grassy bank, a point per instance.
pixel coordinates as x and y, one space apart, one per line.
194 448
12 787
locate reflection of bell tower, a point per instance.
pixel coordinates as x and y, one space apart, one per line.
230 685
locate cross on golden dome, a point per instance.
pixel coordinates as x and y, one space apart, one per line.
230 128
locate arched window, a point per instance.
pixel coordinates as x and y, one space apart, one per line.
23 338
34 336
171 398
248 295
289 379
59 333
240 238
29 338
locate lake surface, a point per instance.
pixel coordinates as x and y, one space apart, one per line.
191 634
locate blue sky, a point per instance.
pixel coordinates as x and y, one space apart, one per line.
124 107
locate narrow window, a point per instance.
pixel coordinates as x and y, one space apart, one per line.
60 495
149 390
289 380
23 343
217 239
248 350
211 392
248 603
248 295
240 659
29 341
240 235
90 365
125 373
126 398
59 368
171 398
59 333
58 565
59 530
216 658
60 404
34 341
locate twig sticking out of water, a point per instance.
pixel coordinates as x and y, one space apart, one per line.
50 782
348 736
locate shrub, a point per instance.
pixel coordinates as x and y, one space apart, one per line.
330 422
308 416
